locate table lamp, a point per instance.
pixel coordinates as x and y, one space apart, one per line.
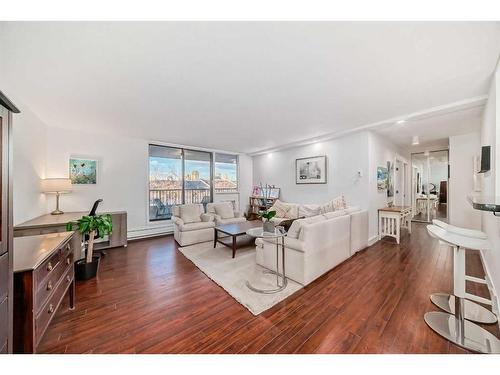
56 186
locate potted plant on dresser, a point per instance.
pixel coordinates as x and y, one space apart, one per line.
94 227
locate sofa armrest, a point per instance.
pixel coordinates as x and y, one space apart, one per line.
295 244
206 218
177 220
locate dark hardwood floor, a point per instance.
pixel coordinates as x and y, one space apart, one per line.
148 298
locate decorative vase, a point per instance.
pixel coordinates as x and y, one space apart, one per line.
268 226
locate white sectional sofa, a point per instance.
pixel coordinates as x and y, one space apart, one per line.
318 243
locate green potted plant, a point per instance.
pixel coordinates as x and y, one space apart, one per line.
266 217
94 227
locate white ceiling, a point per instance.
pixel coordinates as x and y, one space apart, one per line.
434 130
242 86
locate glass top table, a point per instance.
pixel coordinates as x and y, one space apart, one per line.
278 235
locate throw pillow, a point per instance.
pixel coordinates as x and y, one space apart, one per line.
334 205
280 208
308 210
224 210
293 211
190 213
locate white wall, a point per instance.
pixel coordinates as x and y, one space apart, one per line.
345 156
122 178
490 137
29 135
380 152
462 150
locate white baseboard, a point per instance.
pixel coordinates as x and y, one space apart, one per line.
372 240
145 232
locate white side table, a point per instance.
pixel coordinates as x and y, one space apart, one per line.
392 219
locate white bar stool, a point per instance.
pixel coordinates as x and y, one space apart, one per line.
472 311
457 328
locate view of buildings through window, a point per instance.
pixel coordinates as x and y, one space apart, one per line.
178 176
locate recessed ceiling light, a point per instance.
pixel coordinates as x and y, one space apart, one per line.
415 140
400 122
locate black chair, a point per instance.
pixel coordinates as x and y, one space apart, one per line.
92 212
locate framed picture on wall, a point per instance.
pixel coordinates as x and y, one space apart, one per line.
310 170
83 171
382 176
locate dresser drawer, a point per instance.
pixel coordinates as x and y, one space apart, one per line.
48 310
47 267
46 288
4 316
4 276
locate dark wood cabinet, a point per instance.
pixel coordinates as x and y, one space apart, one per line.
6 228
43 275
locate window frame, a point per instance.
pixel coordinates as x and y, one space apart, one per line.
182 148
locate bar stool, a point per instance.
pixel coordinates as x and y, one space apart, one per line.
456 323
472 311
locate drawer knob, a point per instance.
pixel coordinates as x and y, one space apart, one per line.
49 285
51 309
49 267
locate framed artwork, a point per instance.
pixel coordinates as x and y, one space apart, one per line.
390 179
382 178
310 170
83 171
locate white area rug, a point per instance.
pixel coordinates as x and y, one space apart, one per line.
232 274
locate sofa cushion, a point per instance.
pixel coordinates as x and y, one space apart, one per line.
308 210
334 214
190 213
196 226
334 205
307 221
352 209
224 210
231 220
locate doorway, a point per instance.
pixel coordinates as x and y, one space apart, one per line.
430 173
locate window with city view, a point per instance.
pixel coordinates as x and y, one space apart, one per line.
181 176
226 173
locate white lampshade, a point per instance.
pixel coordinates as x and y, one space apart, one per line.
56 185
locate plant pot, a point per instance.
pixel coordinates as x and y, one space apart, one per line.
268 226
86 271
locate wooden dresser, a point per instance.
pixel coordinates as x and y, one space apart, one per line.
43 274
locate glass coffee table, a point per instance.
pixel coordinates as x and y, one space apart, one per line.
278 235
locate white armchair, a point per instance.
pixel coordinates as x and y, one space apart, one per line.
224 213
192 225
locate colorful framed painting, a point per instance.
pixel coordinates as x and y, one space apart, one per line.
83 171
382 176
310 170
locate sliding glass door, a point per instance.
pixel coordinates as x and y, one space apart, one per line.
197 177
177 176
